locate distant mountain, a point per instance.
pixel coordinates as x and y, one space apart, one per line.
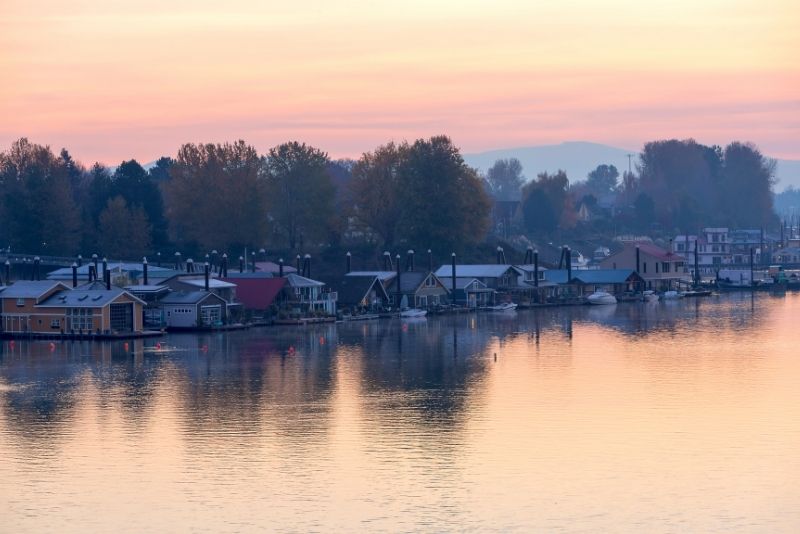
577 158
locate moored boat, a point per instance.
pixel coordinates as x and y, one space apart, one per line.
601 297
412 313
672 295
505 306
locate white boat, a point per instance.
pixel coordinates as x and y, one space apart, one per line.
412 313
601 297
505 306
650 296
672 295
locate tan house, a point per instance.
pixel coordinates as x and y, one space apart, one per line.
661 269
49 307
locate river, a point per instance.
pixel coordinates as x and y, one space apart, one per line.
665 417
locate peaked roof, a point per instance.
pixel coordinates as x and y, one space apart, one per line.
383 276
213 283
86 298
488 270
188 297
30 289
258 293
656 251
605 276
410 281
295 280
353 289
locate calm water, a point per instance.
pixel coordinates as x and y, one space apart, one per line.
678 416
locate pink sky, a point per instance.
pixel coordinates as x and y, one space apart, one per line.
115 79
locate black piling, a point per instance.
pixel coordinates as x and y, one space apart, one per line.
144 270
74 274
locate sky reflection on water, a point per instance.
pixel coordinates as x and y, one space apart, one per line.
658 417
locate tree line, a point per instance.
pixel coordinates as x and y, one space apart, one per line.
678 185
228 196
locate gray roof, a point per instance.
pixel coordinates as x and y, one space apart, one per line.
490 270
604 276
410 281
30 289
213 283
65 273
529 267
150 288
187 297
295 280
461 283
351 290
383 276
85 298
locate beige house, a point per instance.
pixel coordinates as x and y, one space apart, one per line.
661 269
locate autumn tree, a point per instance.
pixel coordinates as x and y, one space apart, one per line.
216 196
376 188
300 192
39 213
123 232
505 179
442 200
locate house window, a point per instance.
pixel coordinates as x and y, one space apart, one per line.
644 267
20 302
55 323
665 267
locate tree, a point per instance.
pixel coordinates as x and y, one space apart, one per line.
602 180
159 172
554 190
123 232
376 187
505 179
300 190
746 189
38 204
135 185
645 210
216 197
444 205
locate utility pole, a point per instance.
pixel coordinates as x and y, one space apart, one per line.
629 163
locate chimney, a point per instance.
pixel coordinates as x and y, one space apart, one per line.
637 259
74 274
410 260
349 260
280 268
569 264
430 261
399 292
205 269
387 261
108 279
297 259
144 270
307 266
241 264
36 261
535 254
177 261
453 273
224 267
80 260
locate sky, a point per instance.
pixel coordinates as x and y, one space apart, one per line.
113 80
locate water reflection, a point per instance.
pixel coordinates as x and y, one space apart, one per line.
410 425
